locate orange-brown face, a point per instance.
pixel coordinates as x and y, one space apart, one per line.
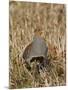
38 32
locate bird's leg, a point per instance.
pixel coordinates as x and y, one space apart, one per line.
43 64
27 65
38 67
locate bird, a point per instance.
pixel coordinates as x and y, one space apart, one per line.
36 50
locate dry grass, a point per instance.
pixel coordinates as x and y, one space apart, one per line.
24 18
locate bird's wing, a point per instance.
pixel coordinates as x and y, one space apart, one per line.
27 51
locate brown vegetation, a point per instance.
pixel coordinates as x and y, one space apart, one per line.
24 18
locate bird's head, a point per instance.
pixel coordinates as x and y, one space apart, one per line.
39 32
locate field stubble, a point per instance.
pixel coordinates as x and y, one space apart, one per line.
24 18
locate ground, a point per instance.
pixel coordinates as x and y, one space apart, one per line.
24 17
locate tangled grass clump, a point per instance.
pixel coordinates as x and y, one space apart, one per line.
24 18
